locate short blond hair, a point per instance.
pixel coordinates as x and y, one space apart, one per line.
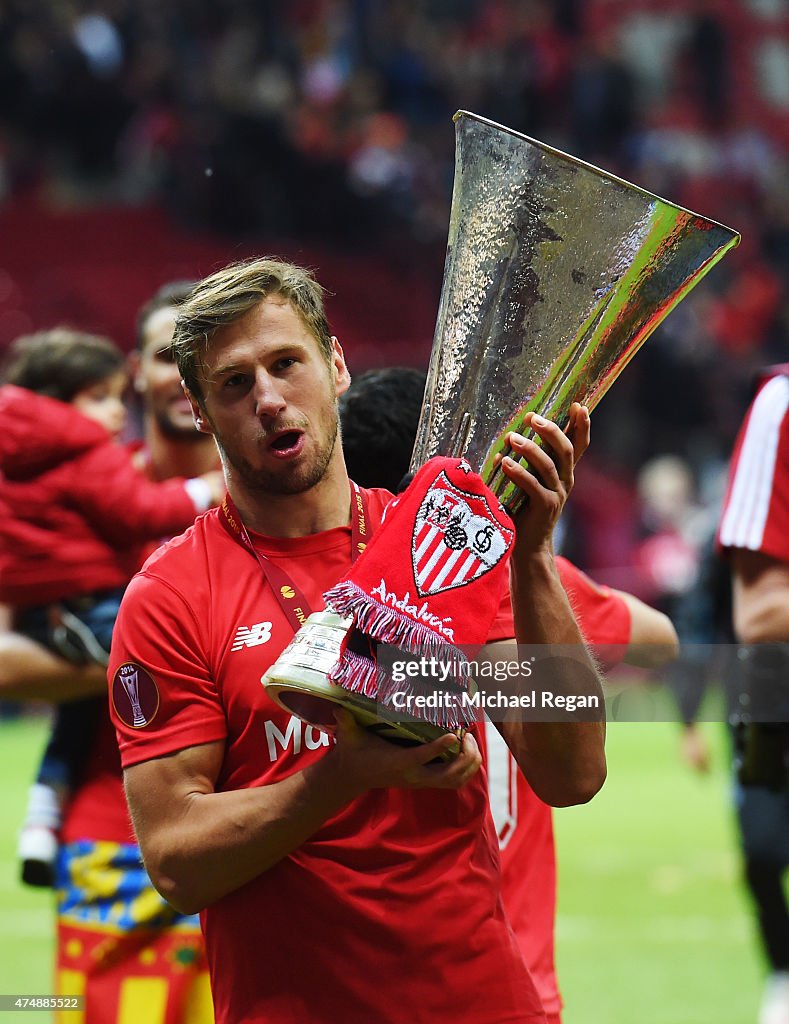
229 294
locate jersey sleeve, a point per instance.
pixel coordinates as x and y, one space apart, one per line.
162 698
756 508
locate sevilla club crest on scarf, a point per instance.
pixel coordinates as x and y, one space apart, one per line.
457 538
432 577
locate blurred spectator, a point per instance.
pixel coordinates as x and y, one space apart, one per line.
668 556
602 99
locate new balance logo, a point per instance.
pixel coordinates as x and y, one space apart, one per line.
252 636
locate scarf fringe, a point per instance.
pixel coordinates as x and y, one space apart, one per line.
386 624
359 674
457 715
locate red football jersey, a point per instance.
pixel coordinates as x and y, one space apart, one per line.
524 824
756 509
391 911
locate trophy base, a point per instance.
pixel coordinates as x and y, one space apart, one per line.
298 683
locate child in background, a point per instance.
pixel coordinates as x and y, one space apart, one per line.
77 513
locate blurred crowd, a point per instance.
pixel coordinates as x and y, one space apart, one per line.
239 113
330 120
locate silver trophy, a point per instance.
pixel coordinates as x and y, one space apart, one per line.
556 274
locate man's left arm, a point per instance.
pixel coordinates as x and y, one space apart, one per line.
653 640
563 761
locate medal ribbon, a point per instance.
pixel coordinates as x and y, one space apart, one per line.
290 596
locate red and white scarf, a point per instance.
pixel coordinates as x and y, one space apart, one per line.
430 579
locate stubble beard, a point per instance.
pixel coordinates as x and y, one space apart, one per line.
282 483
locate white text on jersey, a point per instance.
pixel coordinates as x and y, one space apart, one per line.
295 732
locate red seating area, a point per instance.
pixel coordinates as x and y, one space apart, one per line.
93 269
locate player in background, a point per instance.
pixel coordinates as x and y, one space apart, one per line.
754 532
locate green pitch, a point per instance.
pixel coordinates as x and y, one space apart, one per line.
26 931
653 925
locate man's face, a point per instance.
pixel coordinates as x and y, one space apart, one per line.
157 378
270 399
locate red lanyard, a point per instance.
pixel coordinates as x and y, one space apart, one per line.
292 599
